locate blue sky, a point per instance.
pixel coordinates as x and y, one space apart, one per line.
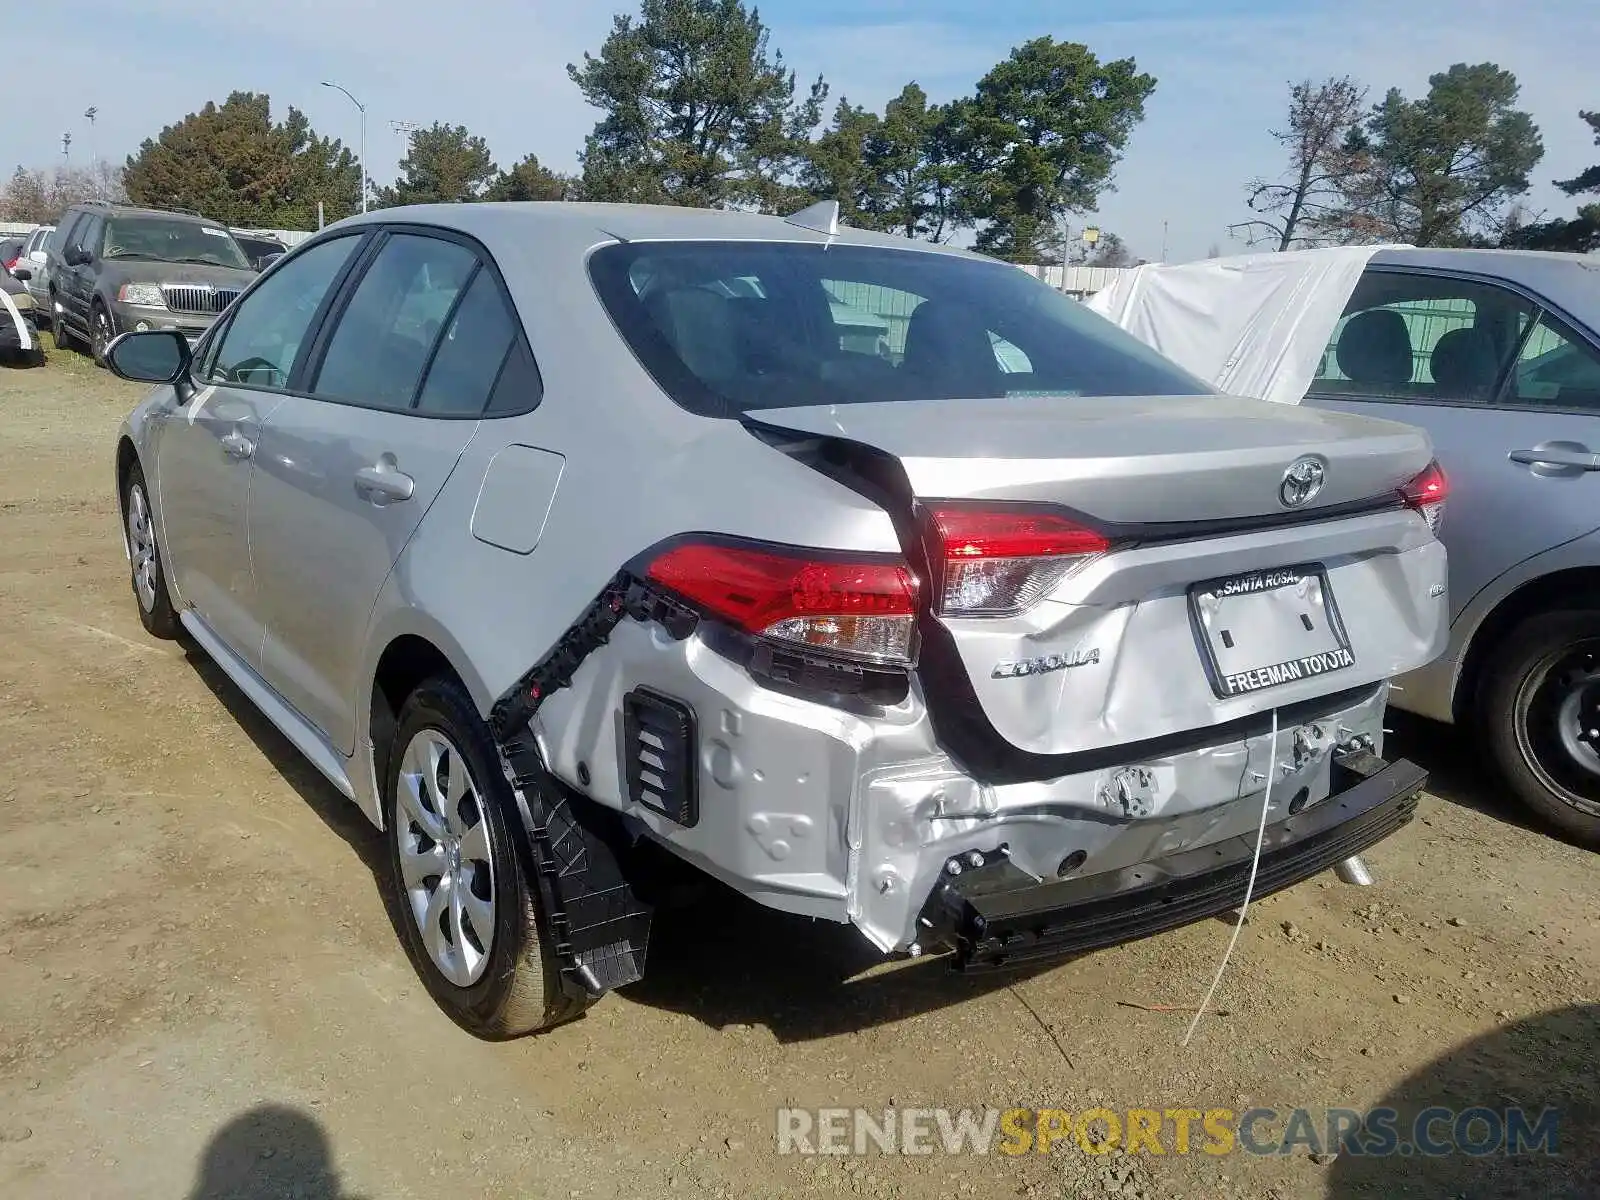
498 66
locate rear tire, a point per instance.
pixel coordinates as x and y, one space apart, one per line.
1539 713
61 328
148 573
454 866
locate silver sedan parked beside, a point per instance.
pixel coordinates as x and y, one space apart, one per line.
581 544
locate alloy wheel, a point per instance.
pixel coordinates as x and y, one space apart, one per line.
446 856
102 334
142 547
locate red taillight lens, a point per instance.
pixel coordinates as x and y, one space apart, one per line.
997 561
861 608
1427 494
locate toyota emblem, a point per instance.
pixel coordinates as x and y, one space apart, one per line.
1301 482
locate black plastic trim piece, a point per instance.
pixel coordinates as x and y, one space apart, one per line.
576 852
577 855
998 916
672 791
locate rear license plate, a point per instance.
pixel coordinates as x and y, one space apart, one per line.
1268 628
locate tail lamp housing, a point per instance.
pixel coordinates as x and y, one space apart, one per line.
999 561
857 607
1427 494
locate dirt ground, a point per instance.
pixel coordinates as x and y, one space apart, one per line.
202 993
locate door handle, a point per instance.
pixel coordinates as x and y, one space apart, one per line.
236 445
1558 454
384 484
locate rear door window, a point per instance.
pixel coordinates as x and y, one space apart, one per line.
472 350
1556 369
386 333
1424 339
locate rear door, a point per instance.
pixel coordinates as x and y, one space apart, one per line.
349 467
1508 391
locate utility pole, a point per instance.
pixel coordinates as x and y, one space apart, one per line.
362 108
1163 241
66 146
94 175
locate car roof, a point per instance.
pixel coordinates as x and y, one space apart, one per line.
133 210
576 226
1569 281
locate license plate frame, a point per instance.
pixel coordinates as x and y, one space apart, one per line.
1321 655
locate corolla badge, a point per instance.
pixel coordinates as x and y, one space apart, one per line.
1301 482
1043 666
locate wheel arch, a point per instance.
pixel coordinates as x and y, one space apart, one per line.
1567 588
127 456
409 657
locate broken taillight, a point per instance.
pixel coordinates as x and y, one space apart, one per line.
863 608
1427 494
996 562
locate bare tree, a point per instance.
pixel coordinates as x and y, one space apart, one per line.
41 196
1292 210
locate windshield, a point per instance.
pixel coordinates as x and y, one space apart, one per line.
172 241
729 327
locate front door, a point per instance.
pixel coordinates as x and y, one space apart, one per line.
210 448
204 460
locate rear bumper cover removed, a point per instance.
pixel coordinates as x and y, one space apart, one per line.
999 916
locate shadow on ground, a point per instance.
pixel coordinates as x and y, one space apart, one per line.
713 955
1549 1061
1457 772
725 960
270 1152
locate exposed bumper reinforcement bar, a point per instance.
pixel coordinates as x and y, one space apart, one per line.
999 916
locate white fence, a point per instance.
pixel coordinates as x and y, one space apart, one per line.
1078 282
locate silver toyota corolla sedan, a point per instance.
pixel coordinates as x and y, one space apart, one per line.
576 543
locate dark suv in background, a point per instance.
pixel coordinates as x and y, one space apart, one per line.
115 268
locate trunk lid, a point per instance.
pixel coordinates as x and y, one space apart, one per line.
1124 460
1130 646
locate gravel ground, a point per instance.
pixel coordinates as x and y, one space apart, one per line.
202 994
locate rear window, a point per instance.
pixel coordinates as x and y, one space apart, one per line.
726 328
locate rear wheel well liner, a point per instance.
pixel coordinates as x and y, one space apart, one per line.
406 663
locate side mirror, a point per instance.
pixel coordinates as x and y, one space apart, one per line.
153 356
21 273
39 257
77 256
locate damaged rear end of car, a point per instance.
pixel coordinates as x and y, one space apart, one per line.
1114 613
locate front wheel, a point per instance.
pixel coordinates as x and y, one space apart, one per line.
1539 709
149 579
471 924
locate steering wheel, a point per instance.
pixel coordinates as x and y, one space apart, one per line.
240 370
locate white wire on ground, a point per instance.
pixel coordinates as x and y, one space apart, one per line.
1250 887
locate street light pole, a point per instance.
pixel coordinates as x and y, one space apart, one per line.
94 167
362 108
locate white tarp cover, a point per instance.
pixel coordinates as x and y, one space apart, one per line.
1251 325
